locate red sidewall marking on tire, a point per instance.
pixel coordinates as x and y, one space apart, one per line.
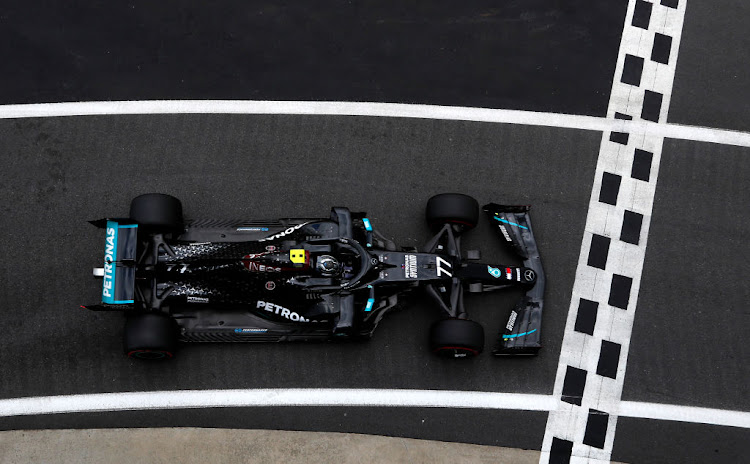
462 348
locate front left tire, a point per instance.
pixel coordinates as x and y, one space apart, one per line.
452 208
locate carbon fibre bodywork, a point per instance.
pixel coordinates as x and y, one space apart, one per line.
310 279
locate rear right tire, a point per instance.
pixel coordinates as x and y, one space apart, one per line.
157 212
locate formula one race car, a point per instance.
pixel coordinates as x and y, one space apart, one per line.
307 279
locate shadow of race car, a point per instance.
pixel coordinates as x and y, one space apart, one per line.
306 279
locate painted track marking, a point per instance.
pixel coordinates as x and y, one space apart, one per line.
591 371
394 110
273 397
343 397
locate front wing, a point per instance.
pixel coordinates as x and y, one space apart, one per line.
522 333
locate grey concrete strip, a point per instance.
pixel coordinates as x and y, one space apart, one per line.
198 445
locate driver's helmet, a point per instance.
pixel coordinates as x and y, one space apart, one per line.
327 265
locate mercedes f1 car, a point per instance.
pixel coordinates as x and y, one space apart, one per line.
330 278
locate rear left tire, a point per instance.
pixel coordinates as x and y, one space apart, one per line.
150 336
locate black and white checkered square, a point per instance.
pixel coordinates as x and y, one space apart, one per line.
594 354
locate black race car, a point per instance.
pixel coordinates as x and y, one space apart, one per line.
330 278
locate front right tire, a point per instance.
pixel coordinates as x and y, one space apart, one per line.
457 338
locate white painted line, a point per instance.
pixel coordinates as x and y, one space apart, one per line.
303 108
692 133
393 110
673 412
187 399
198 399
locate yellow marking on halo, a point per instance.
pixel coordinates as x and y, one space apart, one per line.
297 256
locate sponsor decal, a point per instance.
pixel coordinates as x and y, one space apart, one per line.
199 243
110 258
250 330
511 321
270 285
410 266
441 270
197 299
110 251
252 266
252 229
529 275
255 267
283 233
494 272
505 233
509 273
281 311
370 303
518 274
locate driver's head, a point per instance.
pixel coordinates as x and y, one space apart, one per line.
327 265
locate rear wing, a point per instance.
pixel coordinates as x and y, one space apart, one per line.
522 333
118 284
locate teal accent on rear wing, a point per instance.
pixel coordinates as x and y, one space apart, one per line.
118 285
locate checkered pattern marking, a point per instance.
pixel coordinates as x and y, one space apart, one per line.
600 319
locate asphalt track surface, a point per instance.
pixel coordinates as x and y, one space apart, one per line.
244 162
440 52
686 345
